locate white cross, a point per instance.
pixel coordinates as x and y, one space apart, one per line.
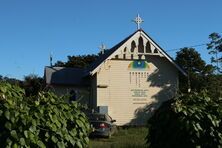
102 48
138 20
50 59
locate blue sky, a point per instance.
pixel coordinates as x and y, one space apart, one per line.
31 29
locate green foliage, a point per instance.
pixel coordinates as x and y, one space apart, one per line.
197 70
33 85
214 86
12 81
81 61
200 75
192 120
215 49
45 121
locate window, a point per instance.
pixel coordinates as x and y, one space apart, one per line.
148 48
133 46
141 46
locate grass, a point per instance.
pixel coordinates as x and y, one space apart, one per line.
132 137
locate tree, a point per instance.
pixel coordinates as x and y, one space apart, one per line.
214 86
215 49
191 120
197 70
33 84
80 61
12 81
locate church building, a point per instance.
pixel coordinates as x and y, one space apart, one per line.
128 81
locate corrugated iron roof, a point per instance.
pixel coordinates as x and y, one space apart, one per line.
64 76
76 76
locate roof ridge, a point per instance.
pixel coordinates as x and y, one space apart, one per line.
103 57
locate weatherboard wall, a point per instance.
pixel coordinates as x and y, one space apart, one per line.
82 93
133 94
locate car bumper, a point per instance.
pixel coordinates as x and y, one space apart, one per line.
100 132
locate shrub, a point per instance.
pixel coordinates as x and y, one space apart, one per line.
43 121
192 120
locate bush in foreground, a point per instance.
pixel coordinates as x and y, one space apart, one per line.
43 121
192 120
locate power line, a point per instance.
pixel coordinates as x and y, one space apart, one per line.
175 49
198 45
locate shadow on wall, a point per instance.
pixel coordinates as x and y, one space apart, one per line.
168 84
142 114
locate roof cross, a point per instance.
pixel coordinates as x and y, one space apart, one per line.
102 48
138 20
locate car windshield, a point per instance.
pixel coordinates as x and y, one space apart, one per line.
97 117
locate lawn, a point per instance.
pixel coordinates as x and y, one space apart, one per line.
133 137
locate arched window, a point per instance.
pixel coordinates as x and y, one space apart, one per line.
148 48
133 46
155 50
125 50
141 46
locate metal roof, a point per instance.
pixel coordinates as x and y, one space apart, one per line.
64 76
77 76
108 53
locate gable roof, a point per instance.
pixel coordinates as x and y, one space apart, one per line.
64 76
108 54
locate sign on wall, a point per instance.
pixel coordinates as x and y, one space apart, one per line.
139 72
139 65
139 92
138 76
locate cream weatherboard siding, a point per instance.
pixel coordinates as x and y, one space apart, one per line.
131 92
151 87
82 93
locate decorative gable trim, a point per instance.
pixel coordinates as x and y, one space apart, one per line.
135 40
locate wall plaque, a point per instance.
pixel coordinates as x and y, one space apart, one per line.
139 92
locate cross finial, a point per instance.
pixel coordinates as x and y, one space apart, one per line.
102 48
138 20
50 59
